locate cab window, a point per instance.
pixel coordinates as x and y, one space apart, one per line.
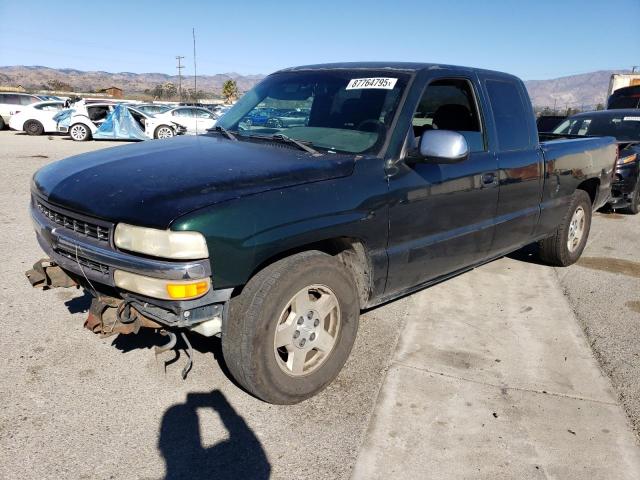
509 114
450 104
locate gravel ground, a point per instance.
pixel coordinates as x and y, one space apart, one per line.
604 290
79 406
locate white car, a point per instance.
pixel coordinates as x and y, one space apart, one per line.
195 119
85 121
11 103
37 118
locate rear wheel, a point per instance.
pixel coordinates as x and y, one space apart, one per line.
291 329
33 127
567 243
79 132
634 207
164 131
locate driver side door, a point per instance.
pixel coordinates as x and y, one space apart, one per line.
441 217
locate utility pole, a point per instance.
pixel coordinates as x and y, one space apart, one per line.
195 68
555 101
179 67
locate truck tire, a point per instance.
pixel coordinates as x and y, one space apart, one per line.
565 246
634 207
290 331
33 127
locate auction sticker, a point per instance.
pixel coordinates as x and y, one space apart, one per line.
376 82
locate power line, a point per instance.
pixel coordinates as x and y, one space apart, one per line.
179 67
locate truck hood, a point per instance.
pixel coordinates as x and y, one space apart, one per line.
154 182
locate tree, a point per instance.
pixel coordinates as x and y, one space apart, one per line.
59 86
600 106
229 91
169 90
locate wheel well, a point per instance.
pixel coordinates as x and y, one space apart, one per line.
352 253
591 187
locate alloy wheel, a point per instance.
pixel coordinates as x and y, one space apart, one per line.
307 330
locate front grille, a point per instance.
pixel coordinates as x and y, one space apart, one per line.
77 225
85 262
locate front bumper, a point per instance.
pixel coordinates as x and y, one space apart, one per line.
83 247
624 183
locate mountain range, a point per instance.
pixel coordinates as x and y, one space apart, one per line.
585 90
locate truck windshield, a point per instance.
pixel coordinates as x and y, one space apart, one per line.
347 111
621 126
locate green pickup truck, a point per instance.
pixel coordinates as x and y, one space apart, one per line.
274 237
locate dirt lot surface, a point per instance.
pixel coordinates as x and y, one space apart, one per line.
79 406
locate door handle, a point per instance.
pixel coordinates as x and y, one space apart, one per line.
489 179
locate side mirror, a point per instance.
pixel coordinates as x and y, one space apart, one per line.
442 146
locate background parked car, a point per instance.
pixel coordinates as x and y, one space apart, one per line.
258 117
292 118
547 123
627 97
624 125
152 108
85 120
37 118
195 119
11 103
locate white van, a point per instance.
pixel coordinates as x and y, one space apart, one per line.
11 103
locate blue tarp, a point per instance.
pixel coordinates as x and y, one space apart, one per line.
63 117
120 125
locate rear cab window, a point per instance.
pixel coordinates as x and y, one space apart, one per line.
509 114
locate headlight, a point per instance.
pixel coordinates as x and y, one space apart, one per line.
161 243
159 288
627 159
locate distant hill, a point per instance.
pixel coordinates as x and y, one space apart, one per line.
587 89
35 77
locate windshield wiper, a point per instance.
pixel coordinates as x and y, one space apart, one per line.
225 132
302 146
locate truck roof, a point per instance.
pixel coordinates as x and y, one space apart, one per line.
409 67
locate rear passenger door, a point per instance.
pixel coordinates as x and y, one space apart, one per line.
520 162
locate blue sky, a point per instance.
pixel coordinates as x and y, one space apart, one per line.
535 39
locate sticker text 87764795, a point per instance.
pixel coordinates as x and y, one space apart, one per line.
376 82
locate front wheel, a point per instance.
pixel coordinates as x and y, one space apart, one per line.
291 329
565 246
79 132
164 131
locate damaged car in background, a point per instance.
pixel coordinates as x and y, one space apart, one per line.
624 126
274 237
108 121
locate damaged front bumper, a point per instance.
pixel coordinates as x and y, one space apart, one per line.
81 252
624 184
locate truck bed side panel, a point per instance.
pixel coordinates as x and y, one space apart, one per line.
569 163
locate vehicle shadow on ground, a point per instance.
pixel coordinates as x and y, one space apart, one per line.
79 304
148 338
528 254
239 456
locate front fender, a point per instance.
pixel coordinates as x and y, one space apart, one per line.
244 233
